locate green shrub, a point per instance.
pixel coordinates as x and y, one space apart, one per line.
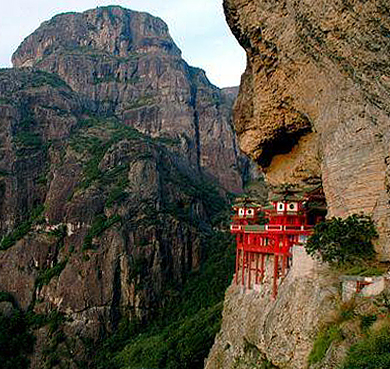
99 225
40 78
22 229
46 275
18 233
6 296
116 195
341 241
366 321
373 352
16 342
29 139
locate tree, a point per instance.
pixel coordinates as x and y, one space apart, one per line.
340 241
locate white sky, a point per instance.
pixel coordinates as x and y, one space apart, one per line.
197 26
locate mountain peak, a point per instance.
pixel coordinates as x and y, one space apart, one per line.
113 30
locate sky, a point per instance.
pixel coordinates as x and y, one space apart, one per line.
197 26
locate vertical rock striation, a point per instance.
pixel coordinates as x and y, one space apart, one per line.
313 107
125 63
314 99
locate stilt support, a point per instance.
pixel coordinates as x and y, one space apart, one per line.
262 268
249 269
238 252
276 272
243 267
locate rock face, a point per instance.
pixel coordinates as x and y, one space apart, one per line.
115 154
313 107
125 63
257 329
314 99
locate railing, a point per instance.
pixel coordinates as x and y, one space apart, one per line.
243 217
235 227
273 227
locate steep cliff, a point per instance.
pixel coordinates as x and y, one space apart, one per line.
125 63
260 332
313 103
116 159
313 108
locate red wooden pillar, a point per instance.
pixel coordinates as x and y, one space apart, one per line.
262 268
276 244
238 252
275 282
243 267
257 269
284 265
249 269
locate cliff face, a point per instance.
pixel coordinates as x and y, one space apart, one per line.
96 217
111 148
313 107
125 63
314 99
260 332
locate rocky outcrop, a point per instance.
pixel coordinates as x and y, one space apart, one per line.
125 63
258 331
314 99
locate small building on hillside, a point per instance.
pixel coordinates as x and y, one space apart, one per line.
272 230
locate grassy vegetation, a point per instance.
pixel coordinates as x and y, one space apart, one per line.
364 269
181 345
117 193
183 330
372 352
18 233
100 224
332 331
323 341
45 275
140 102
40 78
363 326
22 229
30 140
94 139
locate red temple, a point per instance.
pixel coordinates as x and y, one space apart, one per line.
288 221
